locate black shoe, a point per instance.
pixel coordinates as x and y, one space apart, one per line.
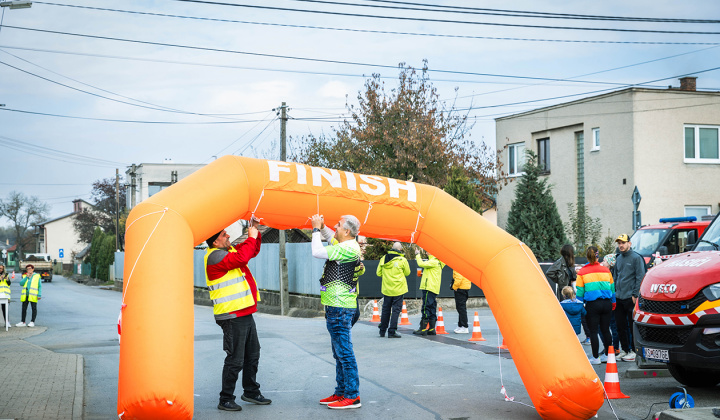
420 332
259 399
431 332
382 334
229 406
394 335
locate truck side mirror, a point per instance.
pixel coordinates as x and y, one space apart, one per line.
663 250
691 239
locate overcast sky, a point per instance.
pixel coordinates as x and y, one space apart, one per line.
133 75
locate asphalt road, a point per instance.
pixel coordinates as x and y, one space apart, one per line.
408 378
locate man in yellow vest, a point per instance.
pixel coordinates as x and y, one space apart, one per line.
393 269
234 293
31 293
430 288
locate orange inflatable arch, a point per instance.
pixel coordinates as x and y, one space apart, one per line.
157 384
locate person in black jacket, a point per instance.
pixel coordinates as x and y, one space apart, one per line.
628 272
562 272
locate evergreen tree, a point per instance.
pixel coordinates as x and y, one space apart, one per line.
533 217
106 256
460 187
95 246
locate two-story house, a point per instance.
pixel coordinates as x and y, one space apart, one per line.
596 150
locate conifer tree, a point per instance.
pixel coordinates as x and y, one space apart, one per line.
460 187
534 217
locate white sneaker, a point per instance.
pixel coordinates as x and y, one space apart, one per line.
620 355
594 361
603 358
31 324
20 324
630 357
461 330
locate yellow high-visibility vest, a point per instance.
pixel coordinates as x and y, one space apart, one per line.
230 292
33 285
4 287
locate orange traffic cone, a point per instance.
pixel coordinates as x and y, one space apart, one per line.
404 320
476 333
440 327
503 346
612 380
376 314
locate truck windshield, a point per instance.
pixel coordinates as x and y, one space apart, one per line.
646 241
710 240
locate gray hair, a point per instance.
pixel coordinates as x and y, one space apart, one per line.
352 224
397 246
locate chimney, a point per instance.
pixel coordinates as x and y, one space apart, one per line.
688 83
77 206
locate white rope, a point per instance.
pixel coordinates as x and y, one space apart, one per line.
262 194
155 212
502 384
368 212
608 401
127 285
417 223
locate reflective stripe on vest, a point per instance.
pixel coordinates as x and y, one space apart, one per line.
34 287
4 288
229 293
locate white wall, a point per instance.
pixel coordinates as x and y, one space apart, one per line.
60 234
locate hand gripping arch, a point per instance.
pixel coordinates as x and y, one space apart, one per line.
156 351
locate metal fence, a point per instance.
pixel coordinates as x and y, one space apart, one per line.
304 271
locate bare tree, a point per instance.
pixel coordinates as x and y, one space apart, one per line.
23 212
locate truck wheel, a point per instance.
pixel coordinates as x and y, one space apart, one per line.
694 377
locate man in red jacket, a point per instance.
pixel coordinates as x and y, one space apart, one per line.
234 293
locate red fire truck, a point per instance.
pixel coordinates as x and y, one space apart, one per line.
677 317
673 235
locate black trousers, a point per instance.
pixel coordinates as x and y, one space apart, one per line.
461 297
24 310
428 310
241 344
624 321
391 308
598 317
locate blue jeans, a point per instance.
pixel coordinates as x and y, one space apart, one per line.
346 371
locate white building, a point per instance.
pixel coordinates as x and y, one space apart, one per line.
146 179
58 237
596 150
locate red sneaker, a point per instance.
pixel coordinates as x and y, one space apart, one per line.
346 403
331 399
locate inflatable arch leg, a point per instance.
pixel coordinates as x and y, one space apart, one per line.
162 231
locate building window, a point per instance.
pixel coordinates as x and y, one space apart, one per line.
595 139
516 159
697 211
544 154
156 187
701 144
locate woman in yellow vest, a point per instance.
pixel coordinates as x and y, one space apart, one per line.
5 290
31 291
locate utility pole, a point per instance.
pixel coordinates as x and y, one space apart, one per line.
132 186
117 209
284 290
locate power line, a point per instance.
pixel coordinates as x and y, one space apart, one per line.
381 31
126 121
415 19
316 60
505 12
153 107
55 154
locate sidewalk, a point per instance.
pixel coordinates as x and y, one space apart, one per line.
38 384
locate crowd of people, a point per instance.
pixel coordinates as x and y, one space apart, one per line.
30 294
600 296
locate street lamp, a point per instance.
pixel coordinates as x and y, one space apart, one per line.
18 4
